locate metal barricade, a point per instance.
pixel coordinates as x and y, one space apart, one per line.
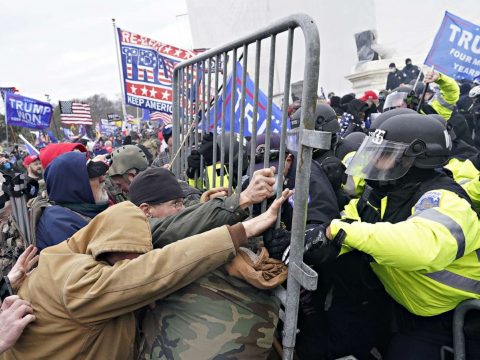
458 322
197 92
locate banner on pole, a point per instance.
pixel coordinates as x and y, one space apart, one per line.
26 112
147 70
456 49
107 128
276 123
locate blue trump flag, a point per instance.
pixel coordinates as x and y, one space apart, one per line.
276 124
456 48
27 112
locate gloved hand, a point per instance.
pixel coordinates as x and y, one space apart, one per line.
335 171
206 149
193 161
318 249
276 241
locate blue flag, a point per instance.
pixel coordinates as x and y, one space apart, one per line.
27 112
276 124
52 137
456 49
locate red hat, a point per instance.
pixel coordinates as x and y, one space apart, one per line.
369 95
51 151
30 159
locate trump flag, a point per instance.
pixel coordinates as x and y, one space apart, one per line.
147 70
27 112
456 49
276 123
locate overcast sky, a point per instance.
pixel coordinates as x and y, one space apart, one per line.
66 49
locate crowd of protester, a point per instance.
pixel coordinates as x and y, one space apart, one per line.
136 263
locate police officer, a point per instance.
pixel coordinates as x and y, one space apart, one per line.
325 194
327 173
395 77
411 71
206 149
418 232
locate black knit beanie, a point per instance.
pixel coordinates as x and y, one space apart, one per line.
154 186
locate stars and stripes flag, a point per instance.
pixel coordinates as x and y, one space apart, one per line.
157 115
74 113
4 90
147 70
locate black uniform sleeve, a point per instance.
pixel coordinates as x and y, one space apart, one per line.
322 205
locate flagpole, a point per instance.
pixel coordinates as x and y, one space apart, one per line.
120 75
6 125
53 117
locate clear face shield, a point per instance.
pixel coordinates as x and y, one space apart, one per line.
293 138
395 100
379 159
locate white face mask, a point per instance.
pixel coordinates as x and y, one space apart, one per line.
392 70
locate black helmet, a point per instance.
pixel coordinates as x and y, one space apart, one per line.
380 119
349 143
325 119
428 140
399 143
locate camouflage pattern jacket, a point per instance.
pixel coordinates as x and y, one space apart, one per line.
217 316
11 244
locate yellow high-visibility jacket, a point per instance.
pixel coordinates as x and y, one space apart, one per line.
428 263
208 178
468 177
444 102
354 185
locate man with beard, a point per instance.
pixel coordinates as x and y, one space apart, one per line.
34 171
77 189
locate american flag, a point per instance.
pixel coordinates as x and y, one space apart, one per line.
157 115
74 113
4 90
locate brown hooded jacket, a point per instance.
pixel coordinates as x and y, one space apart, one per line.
84 306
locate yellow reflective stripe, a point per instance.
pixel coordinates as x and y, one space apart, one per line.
452 226
456 281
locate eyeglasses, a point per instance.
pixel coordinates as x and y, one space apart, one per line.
177 204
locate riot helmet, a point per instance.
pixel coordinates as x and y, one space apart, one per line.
474 92
349 143
399 143
381 118
325 119
401 97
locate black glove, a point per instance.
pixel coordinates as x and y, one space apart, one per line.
335 171
276 241
193 160
318 249
206 149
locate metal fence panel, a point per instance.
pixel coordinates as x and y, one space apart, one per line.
194 103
